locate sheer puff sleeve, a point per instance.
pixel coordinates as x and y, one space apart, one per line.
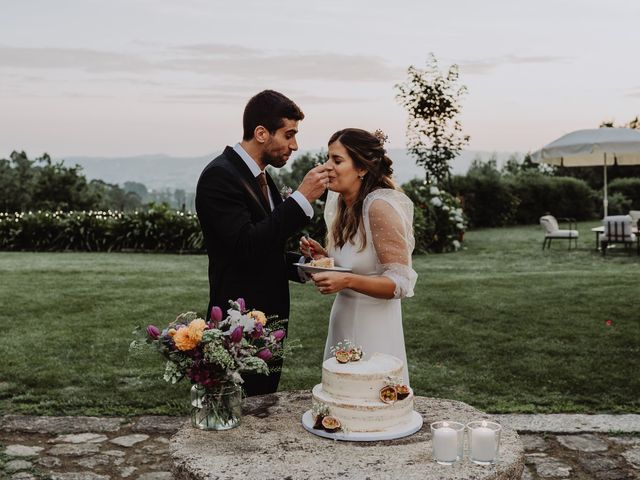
388 220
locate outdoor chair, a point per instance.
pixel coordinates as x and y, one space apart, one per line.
617 229
635 218
552 230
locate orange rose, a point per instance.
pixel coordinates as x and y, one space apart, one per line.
258 316
196 327
188 338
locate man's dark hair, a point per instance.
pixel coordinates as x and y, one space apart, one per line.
268 108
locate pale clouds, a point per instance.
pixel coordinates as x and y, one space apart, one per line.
46 58
488 65
218 60
235 98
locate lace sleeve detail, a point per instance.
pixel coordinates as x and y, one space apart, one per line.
330 209
388 219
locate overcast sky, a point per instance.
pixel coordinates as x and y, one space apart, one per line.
128 77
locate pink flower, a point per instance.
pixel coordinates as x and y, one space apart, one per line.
153 332
240 301
265 354
236 335
609 322
278 335
257 331
216 315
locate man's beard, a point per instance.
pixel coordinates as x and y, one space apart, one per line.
274 160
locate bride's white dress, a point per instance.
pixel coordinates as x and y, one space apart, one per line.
373 323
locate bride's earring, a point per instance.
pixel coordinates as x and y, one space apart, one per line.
361 177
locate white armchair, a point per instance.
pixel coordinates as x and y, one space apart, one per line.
553 231
635 218
617 229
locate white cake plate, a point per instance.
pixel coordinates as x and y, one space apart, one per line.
390 434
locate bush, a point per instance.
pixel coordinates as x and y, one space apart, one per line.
438 221
560 196
618 204
487 200
629 188
158 229
492 198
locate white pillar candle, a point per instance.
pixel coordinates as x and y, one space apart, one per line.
445 443
483 443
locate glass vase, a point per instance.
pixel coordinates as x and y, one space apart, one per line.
216 408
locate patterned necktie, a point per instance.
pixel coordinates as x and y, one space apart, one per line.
262 180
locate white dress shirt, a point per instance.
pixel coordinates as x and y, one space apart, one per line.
255 170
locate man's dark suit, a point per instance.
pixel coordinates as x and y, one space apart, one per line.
245 242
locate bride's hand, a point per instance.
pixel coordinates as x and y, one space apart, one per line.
330 282
311 249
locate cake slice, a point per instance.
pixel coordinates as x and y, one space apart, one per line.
325 262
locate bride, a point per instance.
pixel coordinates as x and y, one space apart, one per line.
369 230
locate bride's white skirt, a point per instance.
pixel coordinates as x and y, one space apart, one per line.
373 323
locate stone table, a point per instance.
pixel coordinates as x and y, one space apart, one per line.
271 443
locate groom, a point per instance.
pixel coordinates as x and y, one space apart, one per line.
246 223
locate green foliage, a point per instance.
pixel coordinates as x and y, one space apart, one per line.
629 188
560 196
520 194
156 229
438 221
41 184
594 176
486 198
618 204
432 100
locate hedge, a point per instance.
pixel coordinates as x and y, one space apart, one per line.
157 229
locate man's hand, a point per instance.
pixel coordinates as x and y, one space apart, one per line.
314 183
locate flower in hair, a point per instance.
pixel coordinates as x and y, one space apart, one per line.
381 136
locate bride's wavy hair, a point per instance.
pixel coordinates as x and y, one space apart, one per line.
368 153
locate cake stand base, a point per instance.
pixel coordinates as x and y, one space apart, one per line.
390 434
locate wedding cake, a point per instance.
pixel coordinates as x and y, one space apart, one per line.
362 395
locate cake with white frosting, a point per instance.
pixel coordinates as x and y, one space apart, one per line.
364 395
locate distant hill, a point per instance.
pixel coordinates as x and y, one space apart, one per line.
159 172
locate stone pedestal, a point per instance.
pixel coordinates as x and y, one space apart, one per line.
271 443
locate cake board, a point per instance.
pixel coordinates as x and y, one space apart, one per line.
391 434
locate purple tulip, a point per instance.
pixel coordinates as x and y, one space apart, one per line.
153 332
236 335
257 331
265 354
240 301
216 315
278 335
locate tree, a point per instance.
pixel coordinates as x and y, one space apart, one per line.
634 124
138 188
58 187
111 196
514 167
434 135
24 173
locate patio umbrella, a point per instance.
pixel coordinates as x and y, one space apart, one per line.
593 147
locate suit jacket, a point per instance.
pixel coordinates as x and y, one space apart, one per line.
245 241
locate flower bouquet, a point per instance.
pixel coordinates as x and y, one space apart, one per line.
214 355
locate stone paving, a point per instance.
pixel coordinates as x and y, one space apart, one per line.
86 448
91 448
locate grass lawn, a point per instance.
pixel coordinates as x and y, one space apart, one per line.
502 325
